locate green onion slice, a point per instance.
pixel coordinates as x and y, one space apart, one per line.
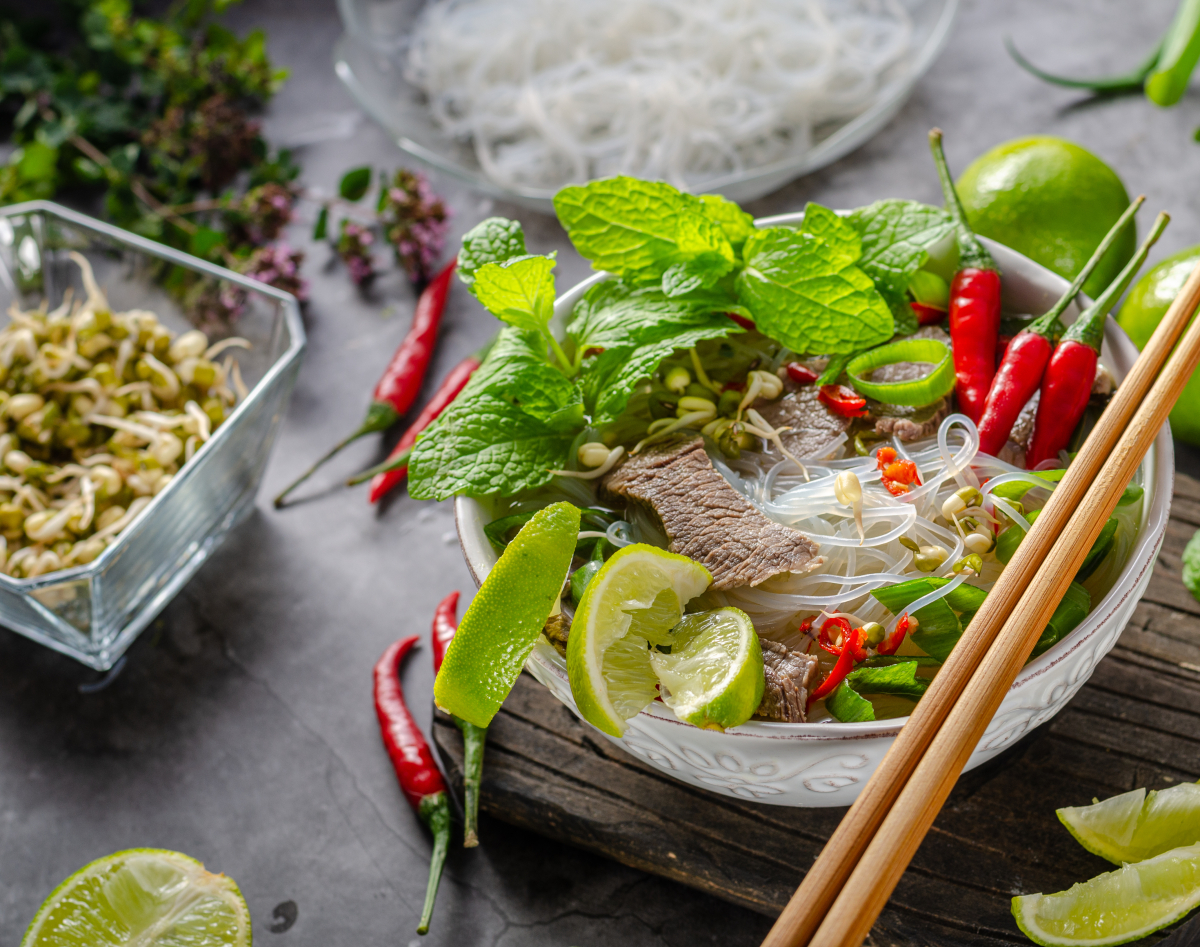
919 391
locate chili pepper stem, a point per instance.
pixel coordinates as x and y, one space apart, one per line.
379 418
474 739
435 813
392 463
971 252
1120 84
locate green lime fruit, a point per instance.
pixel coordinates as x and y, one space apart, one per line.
714 673
1052 201
1117 907
146 897
1137 825
1143 310
632 602
506 616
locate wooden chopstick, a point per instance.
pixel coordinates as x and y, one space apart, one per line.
896 841
829 874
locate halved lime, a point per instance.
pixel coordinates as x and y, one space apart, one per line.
143 896
1117 907
714 673
506 616
1135 825
636 597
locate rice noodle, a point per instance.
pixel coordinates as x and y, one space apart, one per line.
551 92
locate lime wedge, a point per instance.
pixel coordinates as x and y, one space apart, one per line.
714 673
1137 825
1120 906
145 897
636 597
506 616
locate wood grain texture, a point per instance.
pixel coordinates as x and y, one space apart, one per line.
1136 723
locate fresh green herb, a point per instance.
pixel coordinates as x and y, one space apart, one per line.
643 230
896 237
847 706
1191 565
899 680
735 222
494 240
803 293
354 184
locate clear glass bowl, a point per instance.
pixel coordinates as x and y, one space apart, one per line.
94 612
369 59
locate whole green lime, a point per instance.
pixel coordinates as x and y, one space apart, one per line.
1144 308
1052 201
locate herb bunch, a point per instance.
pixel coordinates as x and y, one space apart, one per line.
683 265
156 117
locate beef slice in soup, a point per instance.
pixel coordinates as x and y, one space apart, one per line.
788 677
811 424
706 519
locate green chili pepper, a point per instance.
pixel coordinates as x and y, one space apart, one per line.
919 391
1168 80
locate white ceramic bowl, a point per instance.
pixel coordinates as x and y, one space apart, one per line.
827 764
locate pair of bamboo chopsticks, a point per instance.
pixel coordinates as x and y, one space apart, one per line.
848 885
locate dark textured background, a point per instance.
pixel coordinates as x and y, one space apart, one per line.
241 730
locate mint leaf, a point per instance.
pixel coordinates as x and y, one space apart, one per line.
735 222
483 445
520 291
494 240
897 679
846 706
640 229
516 370
629 331
840 236
354 183
802 293
692 275
896 237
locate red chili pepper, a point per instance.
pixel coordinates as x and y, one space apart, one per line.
974 301
420 779
844 665
898 476
1026 357
402 379
385 476
842 400
801 374
445 624
927 315
1069 377
894 639
745 323
825 636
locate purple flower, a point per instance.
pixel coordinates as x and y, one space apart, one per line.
352 248
415 221
278 265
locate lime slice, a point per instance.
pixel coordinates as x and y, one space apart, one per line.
1135 825
506 616
143 896
1120 906
636 597
714 673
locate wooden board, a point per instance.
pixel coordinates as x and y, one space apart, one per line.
1136 723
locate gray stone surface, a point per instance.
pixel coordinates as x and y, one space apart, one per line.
241 729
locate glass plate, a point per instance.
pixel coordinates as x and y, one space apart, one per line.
94 612
368 58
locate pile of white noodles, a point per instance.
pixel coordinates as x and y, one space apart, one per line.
552 92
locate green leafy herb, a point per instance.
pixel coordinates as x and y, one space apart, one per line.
847 706
494 240
519 291
827 225
354 183
1191 565
803 293
641 229
482 445
735 222
899 680
896 237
